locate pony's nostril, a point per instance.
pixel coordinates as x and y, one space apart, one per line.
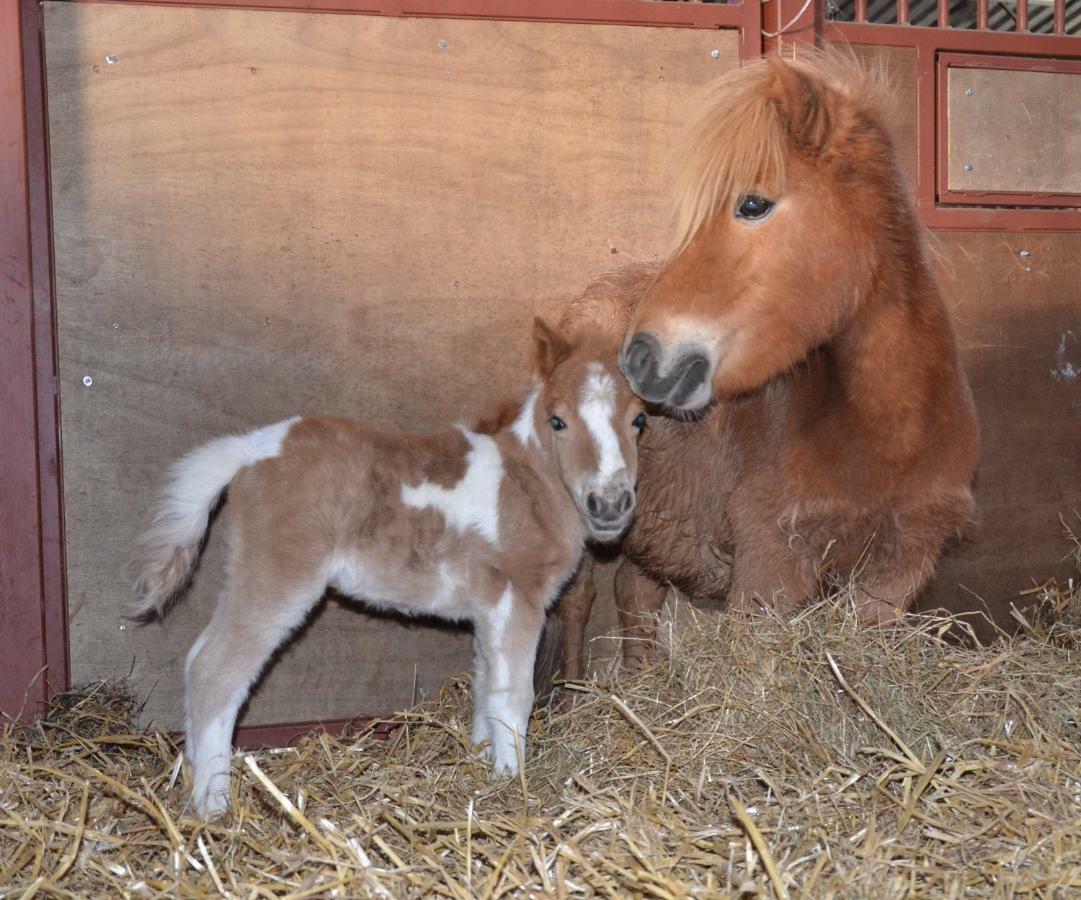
626 501
640 356
693 372
593 503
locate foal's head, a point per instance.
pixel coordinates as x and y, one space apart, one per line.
587 420
790 206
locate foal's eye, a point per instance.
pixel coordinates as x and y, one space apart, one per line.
751 206
639 421
557 423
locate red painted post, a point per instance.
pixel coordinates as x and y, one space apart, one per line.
861 10
903 14
790 26
1022 15
981 15
1060 16
33 646
943 13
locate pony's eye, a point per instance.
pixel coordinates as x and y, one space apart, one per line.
557 423
639 421
751 206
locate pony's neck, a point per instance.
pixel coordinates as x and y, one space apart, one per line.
890 361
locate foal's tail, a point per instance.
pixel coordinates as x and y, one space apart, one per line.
170 547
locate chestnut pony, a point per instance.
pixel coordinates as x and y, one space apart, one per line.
480 525
800 326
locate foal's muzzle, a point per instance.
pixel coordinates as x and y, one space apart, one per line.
681 382
609 508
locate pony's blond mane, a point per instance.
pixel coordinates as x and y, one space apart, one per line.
739 143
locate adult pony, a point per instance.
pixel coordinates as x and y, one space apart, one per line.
800 326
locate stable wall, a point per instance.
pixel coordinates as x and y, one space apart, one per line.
261 214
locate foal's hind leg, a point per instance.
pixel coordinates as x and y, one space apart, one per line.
222 665
638 600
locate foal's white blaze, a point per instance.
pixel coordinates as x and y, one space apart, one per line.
473 503
597 406
524 428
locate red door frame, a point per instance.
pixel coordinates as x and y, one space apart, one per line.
33 605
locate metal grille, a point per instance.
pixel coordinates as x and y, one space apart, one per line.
1002 15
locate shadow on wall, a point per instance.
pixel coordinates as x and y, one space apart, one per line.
1017 303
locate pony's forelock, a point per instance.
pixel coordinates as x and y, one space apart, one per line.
739 144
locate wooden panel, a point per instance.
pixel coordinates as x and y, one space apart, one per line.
1019 321
259 214
1014 131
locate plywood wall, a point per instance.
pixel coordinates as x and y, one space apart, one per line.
1018 317
260 214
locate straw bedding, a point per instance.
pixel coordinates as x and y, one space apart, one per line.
792 758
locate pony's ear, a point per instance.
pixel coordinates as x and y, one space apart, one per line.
803 104
549 348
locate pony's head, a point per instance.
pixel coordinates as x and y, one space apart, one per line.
789 201
587 421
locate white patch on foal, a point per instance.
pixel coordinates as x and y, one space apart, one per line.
524 427
473 503
596 407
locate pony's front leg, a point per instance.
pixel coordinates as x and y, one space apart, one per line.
505 640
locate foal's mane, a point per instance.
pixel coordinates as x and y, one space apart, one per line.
740 144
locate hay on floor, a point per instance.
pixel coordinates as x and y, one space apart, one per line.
789 758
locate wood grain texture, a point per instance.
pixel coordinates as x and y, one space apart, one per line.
1015 131
262 214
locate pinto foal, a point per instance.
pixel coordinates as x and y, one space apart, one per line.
461 524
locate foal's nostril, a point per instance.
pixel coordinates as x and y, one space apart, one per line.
639 360
626 501
593 503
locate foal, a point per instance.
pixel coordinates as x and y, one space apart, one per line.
461 524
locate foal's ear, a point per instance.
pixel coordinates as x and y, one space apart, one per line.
804 105
549 347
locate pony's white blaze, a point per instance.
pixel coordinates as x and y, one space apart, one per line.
597 406
524 427
473 503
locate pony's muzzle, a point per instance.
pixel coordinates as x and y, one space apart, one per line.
681 383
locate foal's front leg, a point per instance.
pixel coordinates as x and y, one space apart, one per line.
505 647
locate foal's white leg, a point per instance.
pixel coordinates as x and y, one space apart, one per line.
506 639
222 665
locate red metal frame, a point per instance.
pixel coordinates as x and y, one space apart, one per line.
929 44
947 61
33 617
